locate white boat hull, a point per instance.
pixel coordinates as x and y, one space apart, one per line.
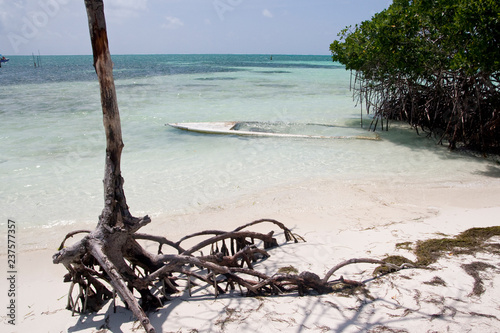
229 128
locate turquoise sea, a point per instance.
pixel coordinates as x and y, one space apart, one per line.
52 140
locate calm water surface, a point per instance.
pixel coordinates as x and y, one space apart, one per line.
52 140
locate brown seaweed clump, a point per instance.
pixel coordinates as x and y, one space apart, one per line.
468 242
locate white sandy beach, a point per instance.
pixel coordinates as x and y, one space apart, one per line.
339 220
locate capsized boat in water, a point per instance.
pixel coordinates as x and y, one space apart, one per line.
274 129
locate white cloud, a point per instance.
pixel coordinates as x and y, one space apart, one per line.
11 13
172 23
4 15
128 4
123 9
267 13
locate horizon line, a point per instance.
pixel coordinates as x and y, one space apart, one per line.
126 54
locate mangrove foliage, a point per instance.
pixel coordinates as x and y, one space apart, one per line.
432 63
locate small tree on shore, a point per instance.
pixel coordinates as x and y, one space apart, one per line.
432 63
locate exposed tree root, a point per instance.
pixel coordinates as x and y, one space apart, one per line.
144 280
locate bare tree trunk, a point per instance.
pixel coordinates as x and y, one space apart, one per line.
116 225
116 212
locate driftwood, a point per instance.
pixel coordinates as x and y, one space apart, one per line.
153 277
110 259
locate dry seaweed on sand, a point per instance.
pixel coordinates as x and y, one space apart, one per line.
468 242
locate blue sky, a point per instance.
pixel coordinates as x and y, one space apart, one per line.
182 26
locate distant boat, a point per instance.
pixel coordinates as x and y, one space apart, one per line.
259 129
3 59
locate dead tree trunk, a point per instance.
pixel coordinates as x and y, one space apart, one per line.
116 212
116 225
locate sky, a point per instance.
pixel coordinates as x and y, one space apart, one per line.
60 27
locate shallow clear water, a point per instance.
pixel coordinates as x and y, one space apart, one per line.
52 141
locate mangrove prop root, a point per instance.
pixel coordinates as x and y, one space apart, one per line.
121 265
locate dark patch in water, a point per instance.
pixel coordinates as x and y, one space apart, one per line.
276 85
273 72
198 85
79 68
216 78
132 85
